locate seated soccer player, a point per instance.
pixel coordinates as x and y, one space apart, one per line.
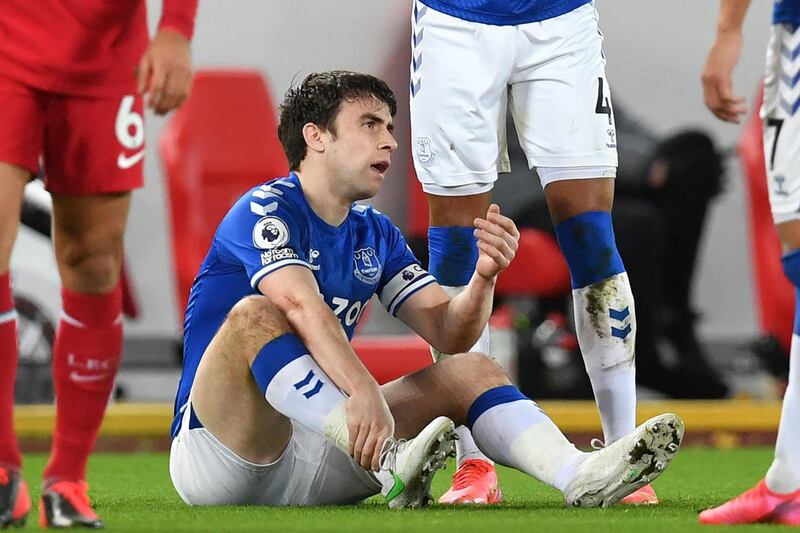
274 407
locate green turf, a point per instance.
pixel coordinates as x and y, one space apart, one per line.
134 493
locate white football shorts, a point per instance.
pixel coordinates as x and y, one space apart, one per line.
465 74
781 116
311 471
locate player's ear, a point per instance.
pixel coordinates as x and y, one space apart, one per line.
314 138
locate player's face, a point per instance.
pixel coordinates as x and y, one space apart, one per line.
361 151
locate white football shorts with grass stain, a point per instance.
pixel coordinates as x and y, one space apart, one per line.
780 114
311 471
464 76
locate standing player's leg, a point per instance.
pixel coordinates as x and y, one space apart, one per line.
472 389
459 73
256 378
603 303
777 497
14 501
784 474
21 139
453 252
88 239
564 120
93 150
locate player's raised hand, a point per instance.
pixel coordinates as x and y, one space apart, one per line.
164 74
498 240
717 78
370 423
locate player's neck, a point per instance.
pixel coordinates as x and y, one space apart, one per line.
324 201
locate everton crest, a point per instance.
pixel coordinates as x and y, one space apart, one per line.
367 268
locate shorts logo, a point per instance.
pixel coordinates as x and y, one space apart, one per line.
780 191
425 152
367 268
125 162
269 233
612 138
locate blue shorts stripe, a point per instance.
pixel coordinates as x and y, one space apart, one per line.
275 355
492 398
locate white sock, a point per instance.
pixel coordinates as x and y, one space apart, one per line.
605 323
324 412
517 433
783 475
294 384
466 449
303 392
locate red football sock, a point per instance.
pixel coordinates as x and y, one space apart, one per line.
9 449
86 357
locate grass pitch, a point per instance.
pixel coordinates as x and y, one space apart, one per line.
134 493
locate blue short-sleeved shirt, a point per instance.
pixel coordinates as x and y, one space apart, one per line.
272 227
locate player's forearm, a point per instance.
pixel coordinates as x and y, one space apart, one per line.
318 328
468 312
731 16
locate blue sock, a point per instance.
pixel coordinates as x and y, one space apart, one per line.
453 253
294 384
605 320
587 242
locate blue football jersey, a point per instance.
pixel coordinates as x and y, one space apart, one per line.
786 12
271 227
504 12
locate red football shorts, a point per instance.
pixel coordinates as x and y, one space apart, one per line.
88 145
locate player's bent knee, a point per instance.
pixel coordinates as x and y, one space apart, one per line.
258 313
479 369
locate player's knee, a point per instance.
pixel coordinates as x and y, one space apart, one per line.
90 272
258 313
479 369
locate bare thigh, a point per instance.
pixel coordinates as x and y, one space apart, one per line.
447 388
225 396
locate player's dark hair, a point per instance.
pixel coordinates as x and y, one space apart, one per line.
318 99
